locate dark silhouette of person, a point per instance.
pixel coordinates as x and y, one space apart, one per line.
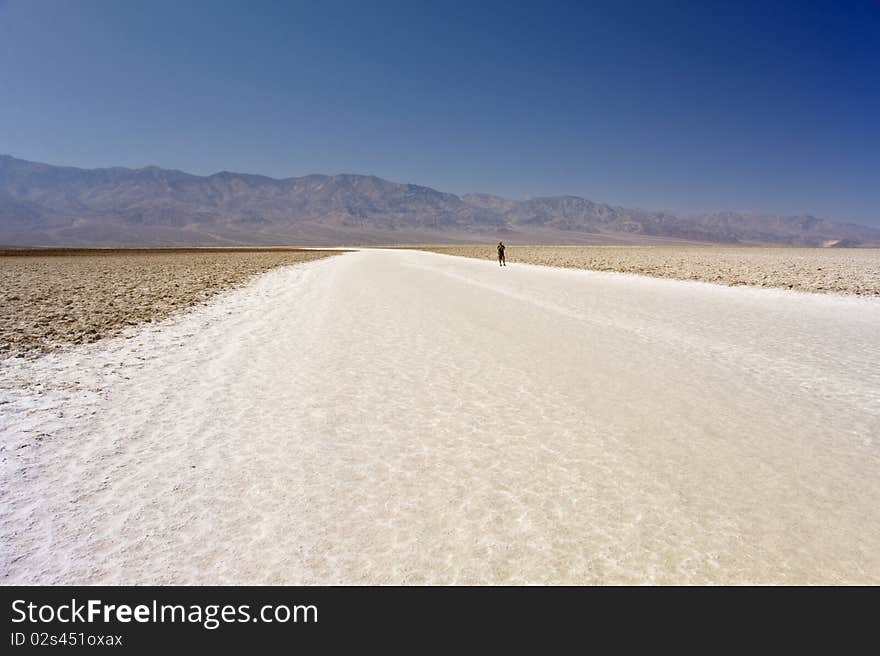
501 261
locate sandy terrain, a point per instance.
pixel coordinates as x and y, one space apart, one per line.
406 417
848 271
51 298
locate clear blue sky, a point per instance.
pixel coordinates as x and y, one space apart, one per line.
768 106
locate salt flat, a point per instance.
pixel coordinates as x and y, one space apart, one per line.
408 417
825 270
54 297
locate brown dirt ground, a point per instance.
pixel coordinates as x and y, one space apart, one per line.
847 271
67 296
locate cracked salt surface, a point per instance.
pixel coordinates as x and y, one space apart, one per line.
406 417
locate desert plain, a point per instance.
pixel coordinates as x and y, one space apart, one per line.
55 297
404 417
826 270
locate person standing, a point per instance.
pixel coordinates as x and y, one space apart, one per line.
501 261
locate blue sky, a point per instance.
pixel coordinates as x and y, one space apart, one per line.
766 106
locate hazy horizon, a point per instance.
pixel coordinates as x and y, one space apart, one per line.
688 109
460 194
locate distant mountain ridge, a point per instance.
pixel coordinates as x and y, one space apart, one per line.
42 204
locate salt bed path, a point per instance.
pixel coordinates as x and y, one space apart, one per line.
407 417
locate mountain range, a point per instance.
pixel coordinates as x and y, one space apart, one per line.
46 205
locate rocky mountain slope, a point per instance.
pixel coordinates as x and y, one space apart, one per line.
41 204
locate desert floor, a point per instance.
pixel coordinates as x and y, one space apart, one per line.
836 270
408 417
56 297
